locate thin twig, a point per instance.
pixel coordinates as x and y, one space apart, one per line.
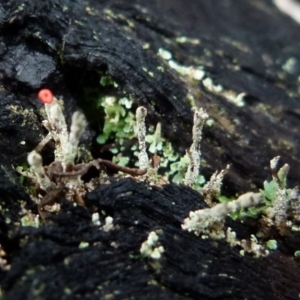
132 172
83 168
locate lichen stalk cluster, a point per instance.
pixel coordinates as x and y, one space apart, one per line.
62 178
66 143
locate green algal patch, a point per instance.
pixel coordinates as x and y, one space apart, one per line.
115 112
272 244
119 120
178 170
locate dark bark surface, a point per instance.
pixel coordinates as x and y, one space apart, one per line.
243 46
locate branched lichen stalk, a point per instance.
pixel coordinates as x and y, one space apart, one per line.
213 187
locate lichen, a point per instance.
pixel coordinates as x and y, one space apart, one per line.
119 126
151 247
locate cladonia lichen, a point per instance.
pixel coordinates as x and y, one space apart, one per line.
275 205
62 178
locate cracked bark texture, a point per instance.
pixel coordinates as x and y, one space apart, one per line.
247 47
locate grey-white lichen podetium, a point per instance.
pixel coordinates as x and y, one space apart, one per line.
141 114
194 153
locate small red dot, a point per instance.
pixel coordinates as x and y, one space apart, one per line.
45 96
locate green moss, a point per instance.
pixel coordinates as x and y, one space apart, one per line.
272 244
119 120
178 170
